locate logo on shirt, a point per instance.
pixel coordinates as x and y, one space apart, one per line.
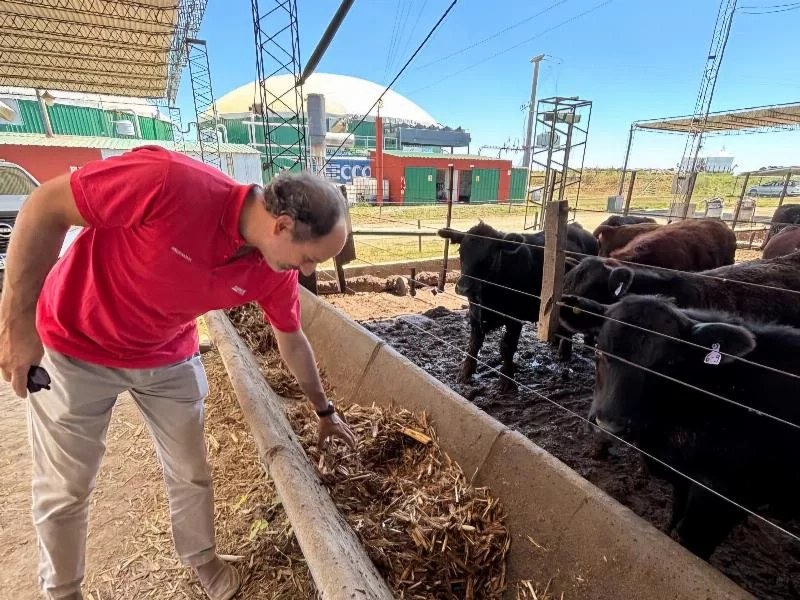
182 254
5 231
238 290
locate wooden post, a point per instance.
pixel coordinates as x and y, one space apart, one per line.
739 203
419 237
443 272
630 194
555 238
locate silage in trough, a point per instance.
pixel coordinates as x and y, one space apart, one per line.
431 533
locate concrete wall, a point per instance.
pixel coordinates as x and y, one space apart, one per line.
589 544
401 267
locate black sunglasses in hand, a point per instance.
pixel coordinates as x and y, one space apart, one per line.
38 379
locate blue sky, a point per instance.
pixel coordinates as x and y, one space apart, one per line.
635 59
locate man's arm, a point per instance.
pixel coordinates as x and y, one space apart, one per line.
39 231
299 357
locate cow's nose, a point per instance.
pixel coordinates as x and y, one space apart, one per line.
460 287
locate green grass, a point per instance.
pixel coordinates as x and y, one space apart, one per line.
651 191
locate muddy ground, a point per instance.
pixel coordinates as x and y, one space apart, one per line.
757 557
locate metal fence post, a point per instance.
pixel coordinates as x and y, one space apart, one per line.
443 273
739 203
555 235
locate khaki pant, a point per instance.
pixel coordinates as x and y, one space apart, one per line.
67 427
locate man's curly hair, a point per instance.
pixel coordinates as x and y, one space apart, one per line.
315 205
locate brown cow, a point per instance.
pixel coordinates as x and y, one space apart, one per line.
690 245
611 238
783 243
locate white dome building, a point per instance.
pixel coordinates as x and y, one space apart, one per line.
344 96
347 101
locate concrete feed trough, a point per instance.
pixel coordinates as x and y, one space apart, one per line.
563 527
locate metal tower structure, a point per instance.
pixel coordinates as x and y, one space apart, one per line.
281 111
562 130
204 107
687 170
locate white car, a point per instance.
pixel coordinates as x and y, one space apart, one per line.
15 185
774 189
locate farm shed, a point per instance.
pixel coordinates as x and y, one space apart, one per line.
422 178
47 157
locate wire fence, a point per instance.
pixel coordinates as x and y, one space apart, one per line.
520 385
398 251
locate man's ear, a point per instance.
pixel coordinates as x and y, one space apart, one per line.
283 223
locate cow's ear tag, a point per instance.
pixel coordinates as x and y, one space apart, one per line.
618 291
714 357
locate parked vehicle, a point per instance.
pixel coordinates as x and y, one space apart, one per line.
15 185
774 189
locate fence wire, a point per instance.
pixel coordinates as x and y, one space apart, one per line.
580 417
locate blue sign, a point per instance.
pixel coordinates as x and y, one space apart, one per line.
343 169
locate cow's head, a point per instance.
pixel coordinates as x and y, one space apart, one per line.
483 251
628 394
602 280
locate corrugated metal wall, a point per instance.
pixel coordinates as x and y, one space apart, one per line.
485 185
420 185
518 187
67 119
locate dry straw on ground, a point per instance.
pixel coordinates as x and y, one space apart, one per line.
251 525
431 534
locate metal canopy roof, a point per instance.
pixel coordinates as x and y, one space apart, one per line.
762 118
778 171
106 143
121 47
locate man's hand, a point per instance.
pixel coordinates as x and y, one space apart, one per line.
20 348
333 426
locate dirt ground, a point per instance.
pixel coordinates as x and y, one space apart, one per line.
756 557
130 554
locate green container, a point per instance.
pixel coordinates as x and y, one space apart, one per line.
518 187
420 185
485 185
31 119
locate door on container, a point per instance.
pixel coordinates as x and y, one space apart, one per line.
420 185
485 185
464 185
518 185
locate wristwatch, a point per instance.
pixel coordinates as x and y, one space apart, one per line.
326 412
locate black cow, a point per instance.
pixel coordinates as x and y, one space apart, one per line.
607 281
788 214
747 457
618 220
501 274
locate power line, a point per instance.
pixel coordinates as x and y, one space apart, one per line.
626 262
491 37
643 368
515 46
396 77
770 12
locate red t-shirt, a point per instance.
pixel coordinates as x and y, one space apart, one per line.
162 228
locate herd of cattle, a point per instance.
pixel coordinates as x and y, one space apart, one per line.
696 355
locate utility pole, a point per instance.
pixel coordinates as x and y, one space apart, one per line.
526 158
